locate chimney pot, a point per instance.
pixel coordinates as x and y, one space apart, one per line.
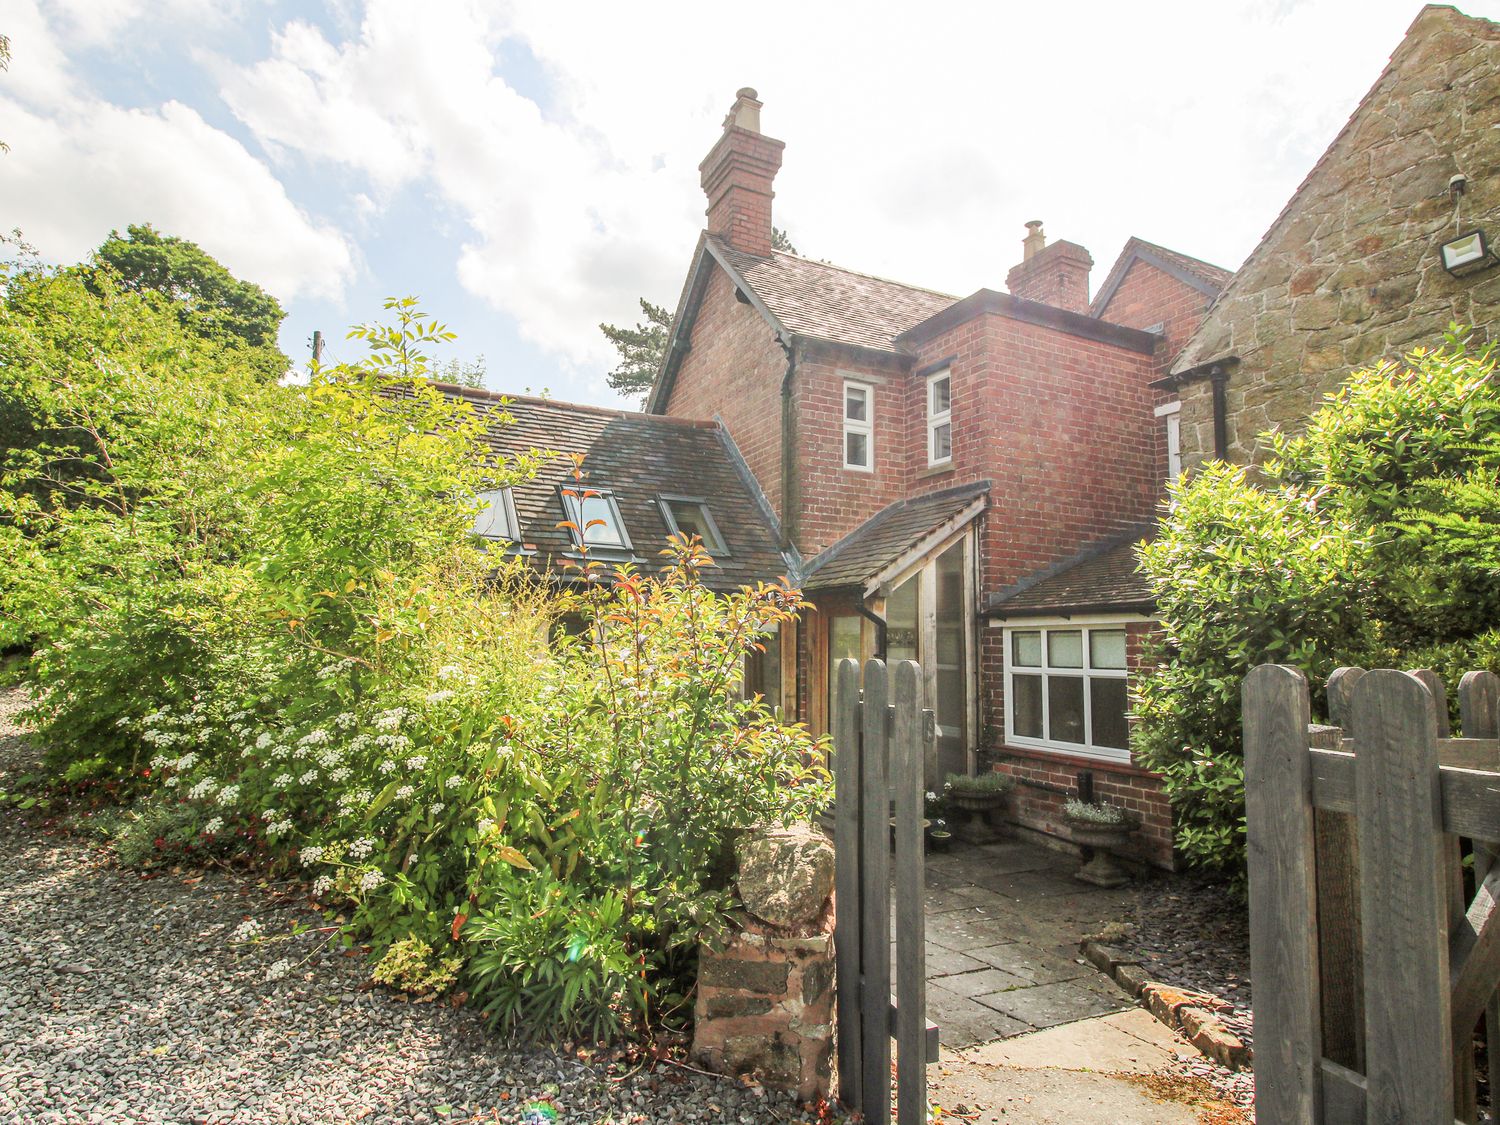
1056 275
1034 241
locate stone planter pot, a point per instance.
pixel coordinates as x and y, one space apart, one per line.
976 815
939 839
1103 841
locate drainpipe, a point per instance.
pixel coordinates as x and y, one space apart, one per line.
880 627
789 524
1219 378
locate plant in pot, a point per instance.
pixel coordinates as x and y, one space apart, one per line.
975 803
1103 829
935 809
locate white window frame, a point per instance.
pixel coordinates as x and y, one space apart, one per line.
1171 415
502 499
936 418
865 426
1061 625
719 548
580 493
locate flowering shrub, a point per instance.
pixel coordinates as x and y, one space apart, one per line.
263 608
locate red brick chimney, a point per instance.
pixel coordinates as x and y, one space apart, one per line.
737 175
1056 275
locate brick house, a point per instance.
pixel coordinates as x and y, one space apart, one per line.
1350 272
955 480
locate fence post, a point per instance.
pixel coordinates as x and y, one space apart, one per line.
1341 981
911 953
1479 713
875 909
1404 889
1283 896
846 934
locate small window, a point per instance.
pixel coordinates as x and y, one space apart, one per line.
1171 416
1066 688
496 519
859 426
596 518
687 516
940 418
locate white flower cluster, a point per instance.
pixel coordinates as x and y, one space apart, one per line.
186 762
395 742
278 969
346 720
361 848
440 696
370 880
340 774
308 778
228 795
314 738
322 885
248 930
405 792
390 720
485 826
214 825
282 780
436 807
203 789
387 766
454 782
416 761
263 740
310 855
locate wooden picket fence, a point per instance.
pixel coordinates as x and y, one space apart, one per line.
880 736
1372 953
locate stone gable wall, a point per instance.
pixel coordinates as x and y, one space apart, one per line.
1350 272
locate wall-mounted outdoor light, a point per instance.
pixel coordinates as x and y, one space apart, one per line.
1466 254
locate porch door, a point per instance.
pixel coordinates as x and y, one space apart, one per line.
927 621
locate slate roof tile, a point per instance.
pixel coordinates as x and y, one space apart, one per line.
1102 579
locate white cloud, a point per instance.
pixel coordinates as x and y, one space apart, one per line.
80 166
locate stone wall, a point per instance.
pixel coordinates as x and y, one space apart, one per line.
1350 271
765 998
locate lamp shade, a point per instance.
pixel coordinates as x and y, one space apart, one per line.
1466 253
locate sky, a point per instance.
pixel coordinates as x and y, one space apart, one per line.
530 169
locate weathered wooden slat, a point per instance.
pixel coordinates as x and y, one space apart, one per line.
1439 692
1340 690
1343 1095
1471 798
1474 957
875 927
911 946
1283 896
1479 704
846 845
1403 886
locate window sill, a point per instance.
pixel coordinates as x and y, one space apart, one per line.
936 470
1080 759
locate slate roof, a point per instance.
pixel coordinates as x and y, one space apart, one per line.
1204 276
885 536
638 457
827 302
1101 579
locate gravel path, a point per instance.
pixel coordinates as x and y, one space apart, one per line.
122 999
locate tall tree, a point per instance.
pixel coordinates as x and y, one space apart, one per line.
641 349
210 301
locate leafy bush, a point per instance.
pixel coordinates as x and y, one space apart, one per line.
262 606
1373 539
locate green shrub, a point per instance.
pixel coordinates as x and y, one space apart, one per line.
1373 540
410 965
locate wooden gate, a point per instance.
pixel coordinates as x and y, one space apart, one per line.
879 738
1371 963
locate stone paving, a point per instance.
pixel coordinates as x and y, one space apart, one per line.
1003 925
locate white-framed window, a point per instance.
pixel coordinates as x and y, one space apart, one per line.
689 515
859 426
496 518
1171 416
940 417
594 517
1065 688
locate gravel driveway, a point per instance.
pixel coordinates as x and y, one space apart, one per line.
122 999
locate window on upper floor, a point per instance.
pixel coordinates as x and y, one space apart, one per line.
859 426
940 418
686 515
595 518
496 518
1171 416
1065 689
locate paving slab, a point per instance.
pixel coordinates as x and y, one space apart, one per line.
1046 1005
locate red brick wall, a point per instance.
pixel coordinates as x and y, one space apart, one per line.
734 368
1046 779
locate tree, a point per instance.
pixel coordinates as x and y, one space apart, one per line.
641 349
780 241
210 301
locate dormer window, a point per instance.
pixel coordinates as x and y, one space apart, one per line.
940 418
689 516
859 426
496 518
595 517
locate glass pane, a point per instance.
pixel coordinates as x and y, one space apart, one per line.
493 521
901 621
607 532
951 704
1065 648
856 404
942 400
1065 708
692 519
857 450
1107 698
1026 706
942 442
843 643
1026 649
1106 648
